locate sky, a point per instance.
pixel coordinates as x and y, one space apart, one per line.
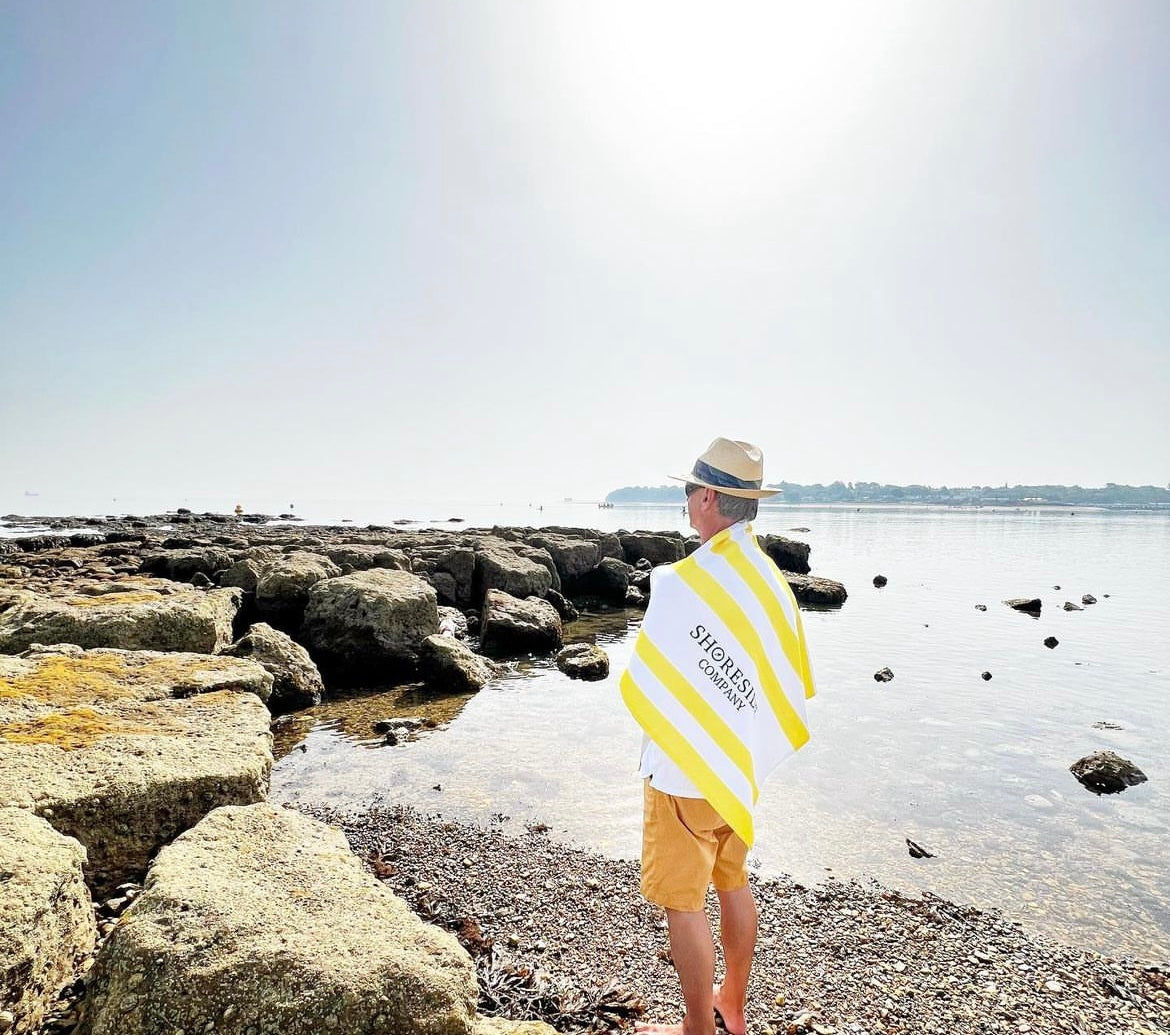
454 250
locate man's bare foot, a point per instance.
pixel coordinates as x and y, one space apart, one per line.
730 1013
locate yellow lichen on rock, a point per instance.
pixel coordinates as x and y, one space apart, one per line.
71 730
122 598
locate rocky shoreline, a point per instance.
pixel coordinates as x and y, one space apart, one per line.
841 957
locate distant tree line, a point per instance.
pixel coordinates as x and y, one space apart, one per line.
1110 495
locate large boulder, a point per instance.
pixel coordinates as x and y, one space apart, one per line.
282 590
1106 772
786 554
237 931
811 591
46 916
296 683
125 749
369 625
180 565
572 557
130 619
450 666
499 567
351 557
610 580
657 548
512 626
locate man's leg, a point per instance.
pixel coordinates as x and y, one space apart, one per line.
737 930
694 960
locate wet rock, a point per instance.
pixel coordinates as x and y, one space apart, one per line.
883 675
136 618
512 626
237 932
786 554
583 661
572 557
450 666
1105 725
296 683
1106 772
653 547
880 581
125 749
565 607
282 591
985 676
369 624
1088 598
46 917
1070 606
917 851
635 597
811 591
980 607
1051 642
1029 605
609 581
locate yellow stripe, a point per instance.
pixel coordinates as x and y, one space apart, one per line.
732 616
721 798
698 708
791 643
806 675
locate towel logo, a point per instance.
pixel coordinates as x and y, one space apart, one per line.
723 671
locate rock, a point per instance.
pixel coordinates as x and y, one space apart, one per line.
985 676
502 1026
980 607
131 619
1106 772
246 572
181 565
917 851
634 597
565 607
237 932
369 625
452 620
125 749
282 591
572 557
201 581
512 626
883 675
1088 598
46 916
1051 642
1106 725
583 661
786 554
811 591
657 549
498 567
608 581
1070 606
880 581
1029 605
296 683
350 557
448 665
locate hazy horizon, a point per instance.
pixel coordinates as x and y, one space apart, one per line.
443 251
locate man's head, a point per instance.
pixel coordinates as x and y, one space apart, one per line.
725 486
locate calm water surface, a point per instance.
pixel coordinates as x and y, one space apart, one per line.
976 771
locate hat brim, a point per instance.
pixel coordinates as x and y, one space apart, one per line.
747 494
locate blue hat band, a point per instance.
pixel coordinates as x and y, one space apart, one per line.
707 473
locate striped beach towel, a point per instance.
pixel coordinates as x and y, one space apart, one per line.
720 671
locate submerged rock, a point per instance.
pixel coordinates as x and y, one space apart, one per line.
583 661
1106 772
46 916
451 666
1029 605
237 931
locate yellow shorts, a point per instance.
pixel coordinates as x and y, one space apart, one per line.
686 845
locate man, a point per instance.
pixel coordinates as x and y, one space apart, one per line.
717 681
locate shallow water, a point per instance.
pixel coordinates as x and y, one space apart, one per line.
976 771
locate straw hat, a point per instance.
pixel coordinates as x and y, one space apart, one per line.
732 467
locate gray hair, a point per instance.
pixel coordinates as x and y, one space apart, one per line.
736 507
